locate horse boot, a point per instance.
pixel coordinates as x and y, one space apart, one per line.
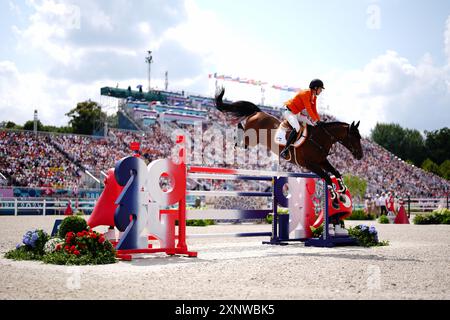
334 197
342 187
289 141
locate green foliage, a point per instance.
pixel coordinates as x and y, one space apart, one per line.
360 215
405 143
269 218
12 125
82 248
84 116
317 232
440 216
430 166
438 145
199 223
383 220
29 125
22 253
444 169
62 258
356 185
72 224
366 236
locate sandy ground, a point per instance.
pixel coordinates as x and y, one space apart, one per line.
416 265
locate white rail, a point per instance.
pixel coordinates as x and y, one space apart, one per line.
42 205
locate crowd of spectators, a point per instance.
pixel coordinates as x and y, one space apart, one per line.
37 160
30 160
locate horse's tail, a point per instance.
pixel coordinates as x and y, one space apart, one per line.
237 110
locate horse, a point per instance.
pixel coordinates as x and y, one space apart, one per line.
313 152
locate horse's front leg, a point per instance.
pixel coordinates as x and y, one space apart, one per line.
326 165
321 173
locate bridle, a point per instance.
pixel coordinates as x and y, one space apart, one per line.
334 140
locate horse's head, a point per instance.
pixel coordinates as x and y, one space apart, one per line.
352 141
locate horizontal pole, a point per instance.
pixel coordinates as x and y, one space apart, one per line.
226 235
220 193
258 173
226 177
226 214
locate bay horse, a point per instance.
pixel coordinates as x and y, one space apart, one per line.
312 154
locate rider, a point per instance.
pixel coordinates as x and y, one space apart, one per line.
298 110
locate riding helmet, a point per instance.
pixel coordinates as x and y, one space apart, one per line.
316 83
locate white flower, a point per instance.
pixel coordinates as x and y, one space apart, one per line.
50 245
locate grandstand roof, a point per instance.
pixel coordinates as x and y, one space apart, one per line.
124 93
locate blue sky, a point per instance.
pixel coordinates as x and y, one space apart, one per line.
381 61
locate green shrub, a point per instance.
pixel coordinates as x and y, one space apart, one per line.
383 219
199 223
85 247
360 215
31 248
440 216
366 236
72 224
21 253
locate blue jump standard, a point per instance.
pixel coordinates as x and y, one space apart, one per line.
323 241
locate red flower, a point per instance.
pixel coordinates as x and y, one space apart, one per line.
101 240
76 252
58 247
72 248
66 248
79 234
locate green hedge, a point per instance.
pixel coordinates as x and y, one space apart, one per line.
440 216
360 215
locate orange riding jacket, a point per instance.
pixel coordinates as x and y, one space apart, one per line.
304 100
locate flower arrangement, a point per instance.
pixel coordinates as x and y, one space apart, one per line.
31 247
366 236
83 247
77 246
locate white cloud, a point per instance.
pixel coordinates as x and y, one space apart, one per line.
391 89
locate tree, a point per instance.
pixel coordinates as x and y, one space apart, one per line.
11 125
438 145
414 147
430 166
356 185
29 125
407 144
444 169
390 136
85 116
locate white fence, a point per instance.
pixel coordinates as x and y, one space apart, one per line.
15 206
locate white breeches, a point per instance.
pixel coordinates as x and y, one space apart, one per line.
295 119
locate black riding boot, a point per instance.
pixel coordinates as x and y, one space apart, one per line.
290 139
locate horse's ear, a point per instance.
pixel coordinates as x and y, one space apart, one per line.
357 125
352 125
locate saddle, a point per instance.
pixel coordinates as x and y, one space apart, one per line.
301 136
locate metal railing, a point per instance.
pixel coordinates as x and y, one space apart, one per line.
16 206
